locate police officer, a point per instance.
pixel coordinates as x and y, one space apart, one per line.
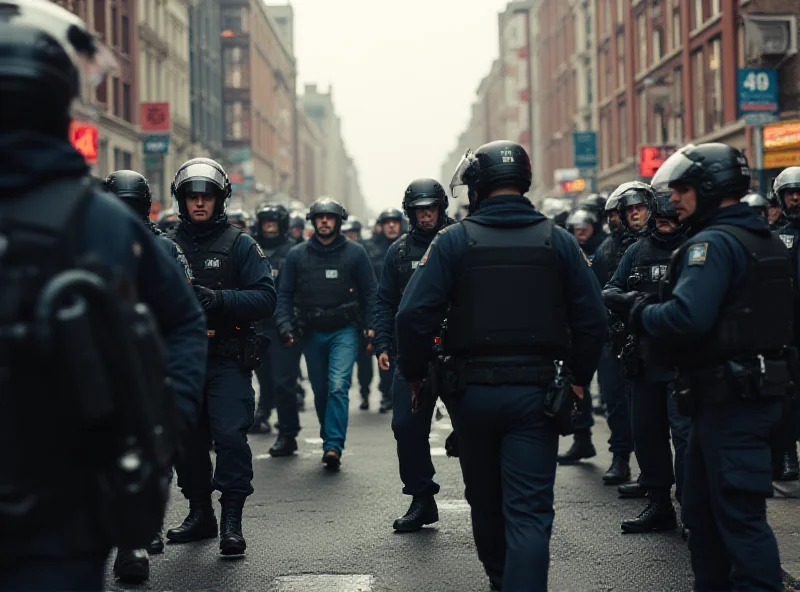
520 295
425 205
654 410
352 229
759 203
277 375
167 220
786 189
329 282
51 536
725 327
613 387
297 226
241 220
596 204
775 214
233 282
391 222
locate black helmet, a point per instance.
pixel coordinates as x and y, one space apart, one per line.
201 175
269 212
789 178
595 203
241 219
167 220
582 217
132 188
560 219
629 194
714 171
421 193
493 166
353 224
390 214
48 58
328 205
297 220
662 208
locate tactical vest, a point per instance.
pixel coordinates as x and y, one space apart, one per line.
276 255
754 320
649 264
410 249
610 252
790 236
509 299
211 260
326 289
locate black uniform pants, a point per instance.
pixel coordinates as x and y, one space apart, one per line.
614 389
412 432
366 371
728 478
508 459
227 415
654 416
35 574
277 382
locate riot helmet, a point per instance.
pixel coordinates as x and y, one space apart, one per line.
297 225
583 224
423 193
561 218
715 171
628 196
390 215
133 189
496 165
240 219
49 60
201 176
612 214
665 226
352 228
327 205
272 212
167 220
596 204
788 181
758 202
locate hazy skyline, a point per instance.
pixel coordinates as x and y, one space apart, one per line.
404 77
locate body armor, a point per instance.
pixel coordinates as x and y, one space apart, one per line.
650 262
211 260
410 249
610 253
518 263
753 321
326 290
276 254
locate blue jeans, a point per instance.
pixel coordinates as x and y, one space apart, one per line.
330 358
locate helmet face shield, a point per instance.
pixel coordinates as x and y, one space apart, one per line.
466 173
674 169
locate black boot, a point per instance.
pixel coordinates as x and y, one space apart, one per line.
156 546
132 566
659 515
790 471
619 471
261 423
364 401
422 511
284 446
581 448
632 490
199 524
231 541
386 406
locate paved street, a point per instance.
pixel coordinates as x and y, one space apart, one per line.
312 531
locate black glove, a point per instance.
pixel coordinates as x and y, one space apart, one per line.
619 303
635 315
209 299
285 333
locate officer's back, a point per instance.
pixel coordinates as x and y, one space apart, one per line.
49 499
520 296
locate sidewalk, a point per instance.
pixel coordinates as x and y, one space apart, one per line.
783 512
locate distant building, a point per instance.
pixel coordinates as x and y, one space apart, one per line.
205 54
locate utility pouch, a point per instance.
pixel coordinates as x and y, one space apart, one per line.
560 402
254 348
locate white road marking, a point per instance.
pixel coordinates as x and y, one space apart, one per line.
453 505
438 452
325 583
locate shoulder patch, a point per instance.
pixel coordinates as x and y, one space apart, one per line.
697 254
259 250
424 259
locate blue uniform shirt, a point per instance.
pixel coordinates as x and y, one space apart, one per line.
363 274
711 269
257 298
424 304
174 251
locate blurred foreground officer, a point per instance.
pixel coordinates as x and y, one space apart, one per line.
73 264
233 282
521 299
277 375
327 294
724 326
425 204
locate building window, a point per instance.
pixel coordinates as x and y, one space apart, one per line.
115 97
122 160
237 121
601 80
698 92
715 71
660 135
589 89
620 12
114 34
697 13
235 64
676 29
102 92
676 129
741 61
716 7
127 111
234 19
658 40
642 116
620 60
605 141
609 73
641 32
126 36
623 132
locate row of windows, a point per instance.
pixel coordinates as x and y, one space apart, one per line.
701 11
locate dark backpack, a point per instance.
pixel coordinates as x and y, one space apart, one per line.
82 375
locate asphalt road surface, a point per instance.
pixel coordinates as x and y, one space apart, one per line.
309 530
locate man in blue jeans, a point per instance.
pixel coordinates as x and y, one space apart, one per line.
327 294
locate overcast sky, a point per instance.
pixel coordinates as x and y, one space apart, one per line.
404 76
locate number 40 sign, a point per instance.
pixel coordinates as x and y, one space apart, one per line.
758 90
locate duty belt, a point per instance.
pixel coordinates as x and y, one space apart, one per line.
226 347
509 375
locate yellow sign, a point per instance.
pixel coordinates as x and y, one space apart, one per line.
781 159
574 186
785 134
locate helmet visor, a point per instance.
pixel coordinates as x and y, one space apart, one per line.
423 202
199 172
673 169
465 172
